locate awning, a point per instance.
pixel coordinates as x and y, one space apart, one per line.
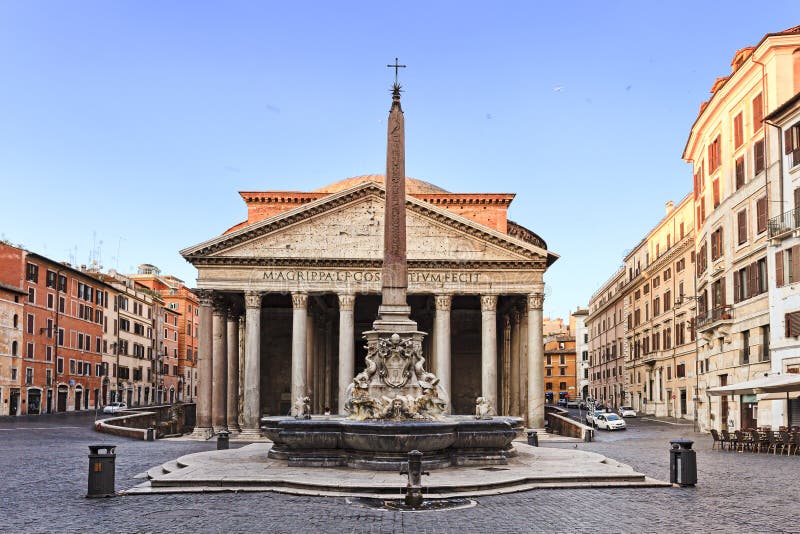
779 396
767 384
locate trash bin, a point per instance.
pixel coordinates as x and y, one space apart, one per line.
150 434
223 440
682 463
533 438
101 471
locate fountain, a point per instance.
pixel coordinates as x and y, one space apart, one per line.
395 405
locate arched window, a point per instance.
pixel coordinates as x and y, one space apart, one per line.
16 320
14 346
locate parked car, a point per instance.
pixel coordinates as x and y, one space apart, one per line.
599 406
115 407
591 417
561 402
610 421
573 403
627 411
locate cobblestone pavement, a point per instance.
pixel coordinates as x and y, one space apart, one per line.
44 465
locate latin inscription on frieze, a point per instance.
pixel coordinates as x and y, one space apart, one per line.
368 276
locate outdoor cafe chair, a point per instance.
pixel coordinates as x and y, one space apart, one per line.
727 438
759 441
787 442
717 440
774 442
743 440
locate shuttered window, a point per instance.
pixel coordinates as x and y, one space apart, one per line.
793 324
761 214
715 186
779 268
758 112
738 131
758 156
739 173
742 226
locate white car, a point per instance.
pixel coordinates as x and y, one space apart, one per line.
591 417
627 411
115 407
610 421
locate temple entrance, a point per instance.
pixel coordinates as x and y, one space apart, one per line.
465 354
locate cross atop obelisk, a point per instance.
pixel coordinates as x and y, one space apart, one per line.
394 311
396 66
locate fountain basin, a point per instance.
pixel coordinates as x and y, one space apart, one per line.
384 445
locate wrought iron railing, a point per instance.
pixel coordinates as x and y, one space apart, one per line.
720 313
785 222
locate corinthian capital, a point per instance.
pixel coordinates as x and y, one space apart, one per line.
488 303
443 302
346 301
205 297
535 301
252 299
299 301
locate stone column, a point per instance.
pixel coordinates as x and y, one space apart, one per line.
657 385
328 376
441 342
299 346
252 364
506 359
232 402
489 349
535 361
346 346
205 371
219 395
310 352
515 360
523 361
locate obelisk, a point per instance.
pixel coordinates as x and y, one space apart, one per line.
394 312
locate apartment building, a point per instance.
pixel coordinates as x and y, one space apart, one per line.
660 313
736 187
606 327
581 331
560 370
11 343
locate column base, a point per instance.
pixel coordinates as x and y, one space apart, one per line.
218 429
202 432
250 433
234 428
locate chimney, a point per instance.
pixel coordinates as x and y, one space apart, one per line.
670 206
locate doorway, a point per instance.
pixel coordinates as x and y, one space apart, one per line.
13 408
749 412
34 401
78 398
62 398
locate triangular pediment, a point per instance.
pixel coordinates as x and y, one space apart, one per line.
349 226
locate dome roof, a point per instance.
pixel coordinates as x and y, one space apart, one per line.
413 186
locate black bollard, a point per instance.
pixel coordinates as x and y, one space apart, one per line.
682 463
101 471
223 440
533 438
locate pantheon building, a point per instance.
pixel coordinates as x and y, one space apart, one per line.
286 295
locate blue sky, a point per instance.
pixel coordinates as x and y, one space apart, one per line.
128 127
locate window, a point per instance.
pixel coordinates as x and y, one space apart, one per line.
680 370
758 112
761 214
791 143
50 279
31 295
562 371
667 274
745 347
548 386
667 300
562 386
62 283
71 366
32 273
30 324
680 265
741 218
740 284
29 376
60 366
29 351
758 156
716 244
738 131
50 301
48 353
656 307
549 371
61 304
60 337
739 172
713 155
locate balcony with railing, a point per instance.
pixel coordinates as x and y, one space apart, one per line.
714 317
784 223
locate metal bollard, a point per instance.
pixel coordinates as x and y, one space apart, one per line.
101 471
414 471
682 463
533 438
223 440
